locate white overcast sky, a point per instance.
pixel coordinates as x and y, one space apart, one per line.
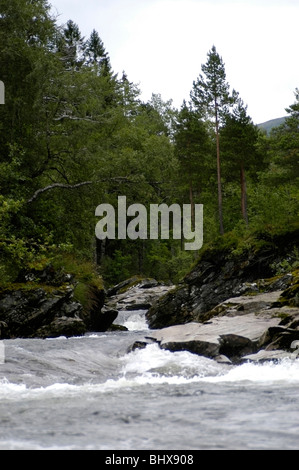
161 45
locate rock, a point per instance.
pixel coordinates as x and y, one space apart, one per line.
118 288
233 306
235 346
279 337
139 294
47 275
137 345
104 320
224 272
138 306
148 283
171 309
3 330
29 312
263 356
94 315
63 326
290 296
232 337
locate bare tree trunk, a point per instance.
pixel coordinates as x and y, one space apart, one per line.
219 175
141 256
192 205
100 250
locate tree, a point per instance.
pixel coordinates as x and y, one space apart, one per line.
72 46
284 143
210 95
193 149
277 196
96 54
239 137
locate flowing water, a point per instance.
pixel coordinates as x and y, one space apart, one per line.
91 393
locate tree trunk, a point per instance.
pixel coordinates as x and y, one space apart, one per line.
100 249
219 175
192 205
243 194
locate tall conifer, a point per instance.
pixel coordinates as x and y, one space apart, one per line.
210 95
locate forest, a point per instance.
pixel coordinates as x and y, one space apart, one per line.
74 134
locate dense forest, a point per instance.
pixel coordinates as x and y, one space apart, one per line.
73 135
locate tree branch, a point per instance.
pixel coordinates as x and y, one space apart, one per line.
118 179
57 185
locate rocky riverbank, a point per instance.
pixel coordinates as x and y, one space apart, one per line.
254 328
238 303
43 304
233 306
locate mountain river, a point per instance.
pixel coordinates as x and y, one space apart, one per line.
90 393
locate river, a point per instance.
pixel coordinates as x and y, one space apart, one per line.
90 393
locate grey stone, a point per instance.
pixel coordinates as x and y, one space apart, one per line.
231 336
263 356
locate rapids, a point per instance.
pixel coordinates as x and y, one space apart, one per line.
90 393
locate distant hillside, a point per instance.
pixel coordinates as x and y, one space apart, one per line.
268 125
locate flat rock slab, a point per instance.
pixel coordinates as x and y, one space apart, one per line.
237 335
248 304
249 326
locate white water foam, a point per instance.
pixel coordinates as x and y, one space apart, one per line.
154 366
133 321
136 322
286 371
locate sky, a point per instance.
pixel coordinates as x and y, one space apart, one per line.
162 44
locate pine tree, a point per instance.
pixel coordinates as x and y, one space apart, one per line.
71 45
285 142
239 138
210 95
192 148
96 54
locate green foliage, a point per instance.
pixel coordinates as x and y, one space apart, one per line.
74 135
117 268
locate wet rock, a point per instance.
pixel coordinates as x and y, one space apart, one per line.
63 326
95 316
104 320
28 311
232 337
265 356
137 345
279 337
235 346
135 295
